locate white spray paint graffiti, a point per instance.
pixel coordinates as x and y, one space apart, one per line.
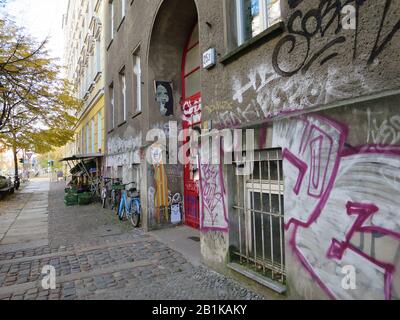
385 133
123 151
151 194
275 95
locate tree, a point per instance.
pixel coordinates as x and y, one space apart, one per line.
38 107
55 155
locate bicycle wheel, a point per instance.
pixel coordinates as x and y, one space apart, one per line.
122 216
113 200
135 220
109 201
118 199
135 216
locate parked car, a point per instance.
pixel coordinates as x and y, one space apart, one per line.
6 186
4 182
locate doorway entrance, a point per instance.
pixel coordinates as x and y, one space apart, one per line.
191 118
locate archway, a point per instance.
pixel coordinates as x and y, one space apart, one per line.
174 59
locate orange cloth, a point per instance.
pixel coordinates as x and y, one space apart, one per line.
161 196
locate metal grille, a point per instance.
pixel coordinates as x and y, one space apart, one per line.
260 216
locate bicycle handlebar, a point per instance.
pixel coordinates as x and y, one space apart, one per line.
127 184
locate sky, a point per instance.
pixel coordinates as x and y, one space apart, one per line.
41 18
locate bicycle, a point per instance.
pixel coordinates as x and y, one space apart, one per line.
129 207
116 193
105 193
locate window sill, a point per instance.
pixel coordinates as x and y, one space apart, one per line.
256 41
122 124
137 114
120 24
271 284
110 43
97 77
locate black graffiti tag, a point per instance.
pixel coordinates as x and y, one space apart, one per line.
378 48
327 15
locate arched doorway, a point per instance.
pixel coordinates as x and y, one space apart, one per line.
174 58
191 117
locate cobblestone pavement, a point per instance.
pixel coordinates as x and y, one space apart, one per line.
97 257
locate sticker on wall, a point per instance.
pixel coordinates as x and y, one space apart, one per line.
176 214
164 97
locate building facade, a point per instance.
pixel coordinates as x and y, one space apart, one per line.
312 212
84 58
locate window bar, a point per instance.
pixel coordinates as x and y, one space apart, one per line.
240 22
240 224
270 210
281 211
265 11
262 209
253 208
245 219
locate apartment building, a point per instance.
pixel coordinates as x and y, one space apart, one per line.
84 58
312 212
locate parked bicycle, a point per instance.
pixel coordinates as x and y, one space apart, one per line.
95 189
129 207
105 192
116 193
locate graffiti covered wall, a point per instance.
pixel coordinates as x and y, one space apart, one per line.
333 162
123 152
341 201
318 61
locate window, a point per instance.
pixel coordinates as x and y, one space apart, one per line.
120 171
93 136
111 12
99 132
123 8
112 105
258 242
192 61
255 16
89 72
82 141
87 138
137 71
98 56
122 83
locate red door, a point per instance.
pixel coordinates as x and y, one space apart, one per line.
191 116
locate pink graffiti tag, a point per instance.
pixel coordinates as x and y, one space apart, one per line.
319 159
213 198
211 193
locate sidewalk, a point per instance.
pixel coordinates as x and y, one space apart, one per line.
24 217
